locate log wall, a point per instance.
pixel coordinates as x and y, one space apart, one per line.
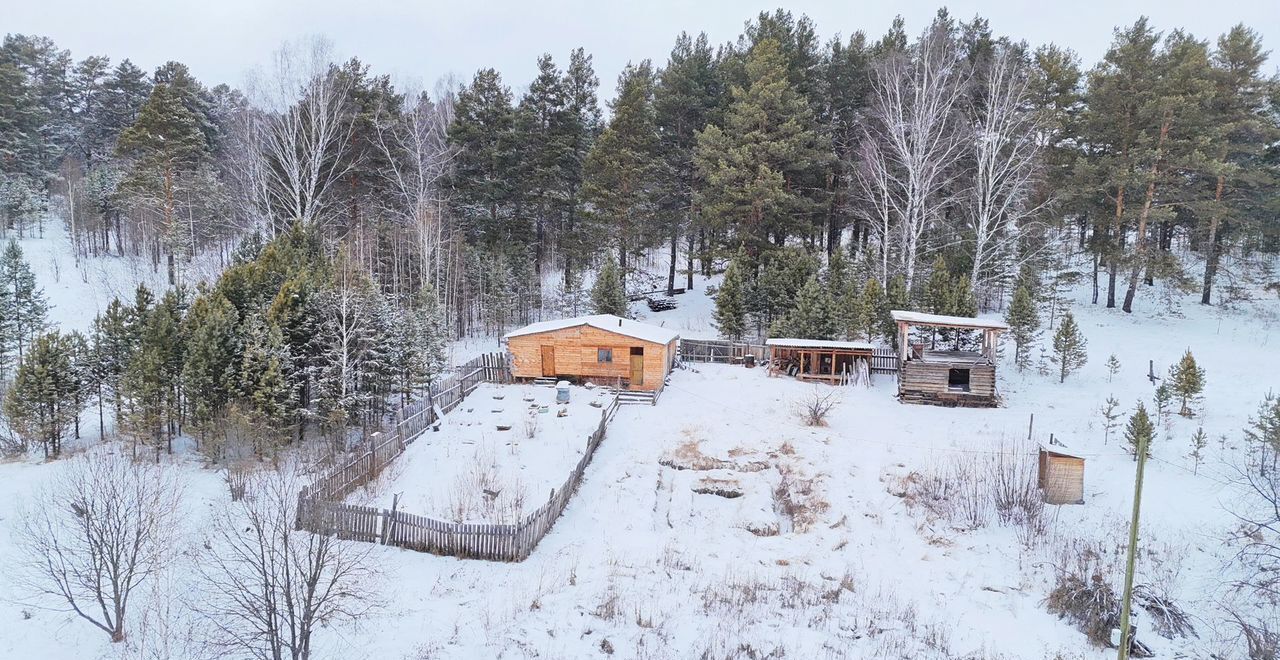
926 382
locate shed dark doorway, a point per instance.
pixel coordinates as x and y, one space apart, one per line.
958 380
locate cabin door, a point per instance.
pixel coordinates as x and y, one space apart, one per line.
548 360
637 366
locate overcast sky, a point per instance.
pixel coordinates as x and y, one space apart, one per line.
421 40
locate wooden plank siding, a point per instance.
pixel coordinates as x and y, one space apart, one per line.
927 382
322 511
1061 478
577 352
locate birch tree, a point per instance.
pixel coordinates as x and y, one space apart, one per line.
416 154
303 131
915 99
1006 168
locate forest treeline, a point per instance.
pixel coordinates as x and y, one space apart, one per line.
828 179
895 150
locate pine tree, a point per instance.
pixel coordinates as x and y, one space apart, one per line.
1113 367
82 375
845 294
113 348
166 142
783 274
41 403
581 127
1162 398
607 294
1186 379
1264 428
623 171
896 298
1199 441
686 100
151 384
1024 325
482 181
1070 348
813 316
1139 428
208 371
938 297
23 302
539 129
731 308
769 140
874 309
431 337
1110 413
262 383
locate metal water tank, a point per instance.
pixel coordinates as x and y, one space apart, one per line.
562 392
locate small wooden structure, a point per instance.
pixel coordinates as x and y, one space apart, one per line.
823 360
947 377
1060 476
603 348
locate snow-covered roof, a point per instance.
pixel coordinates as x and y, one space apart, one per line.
1061 451
607 322
939 319
818 343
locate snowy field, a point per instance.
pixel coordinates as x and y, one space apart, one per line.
716 525
469 471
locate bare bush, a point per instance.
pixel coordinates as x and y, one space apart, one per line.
1082 592
1261 637
814 407
102 528
1167 618
480 493
972 490
531 425
270 586
799 498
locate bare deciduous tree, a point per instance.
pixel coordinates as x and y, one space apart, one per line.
101 529
270 586
416 152
1006 166
914 112
302 132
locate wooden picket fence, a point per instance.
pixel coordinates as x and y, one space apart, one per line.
884 360
321 509
716 350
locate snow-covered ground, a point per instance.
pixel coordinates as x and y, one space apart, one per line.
79 292
716 525
470 471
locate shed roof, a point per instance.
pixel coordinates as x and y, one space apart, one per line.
920 318
606 322
791 342
1059 450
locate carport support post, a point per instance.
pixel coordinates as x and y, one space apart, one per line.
1126 605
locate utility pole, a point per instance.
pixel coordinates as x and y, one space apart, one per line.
1126 604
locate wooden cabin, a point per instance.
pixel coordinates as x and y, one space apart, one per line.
604 349
942 373
1060 476
821 360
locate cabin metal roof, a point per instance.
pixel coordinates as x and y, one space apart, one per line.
920 318
607 322
793 342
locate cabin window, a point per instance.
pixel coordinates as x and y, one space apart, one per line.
637 350
958 380
604 355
